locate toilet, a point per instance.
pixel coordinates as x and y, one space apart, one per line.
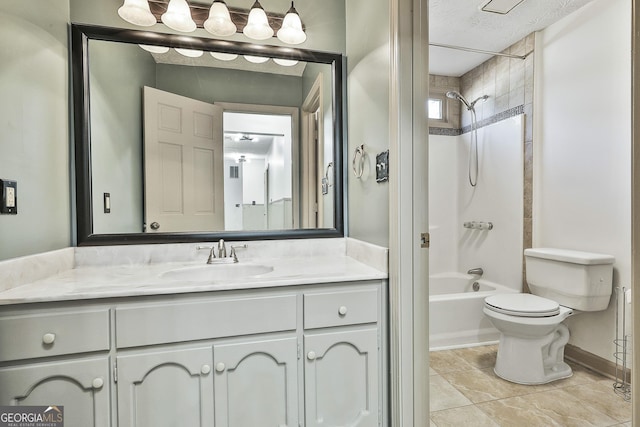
532 336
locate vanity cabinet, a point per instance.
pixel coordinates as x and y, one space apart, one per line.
341 378
166 388
32 372
256 383
342 353
292 356
80 385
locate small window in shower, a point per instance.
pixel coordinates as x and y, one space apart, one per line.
435 109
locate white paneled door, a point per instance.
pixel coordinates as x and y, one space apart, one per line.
184 168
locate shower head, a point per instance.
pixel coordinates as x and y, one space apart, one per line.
456 95
483 97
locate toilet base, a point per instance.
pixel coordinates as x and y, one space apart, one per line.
562 371
533 360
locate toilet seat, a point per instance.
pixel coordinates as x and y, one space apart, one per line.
522 305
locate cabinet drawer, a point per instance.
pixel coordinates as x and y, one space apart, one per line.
176 322
40 335
323 310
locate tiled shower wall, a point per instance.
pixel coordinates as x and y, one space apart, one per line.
509 84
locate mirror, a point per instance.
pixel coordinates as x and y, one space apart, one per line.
185 146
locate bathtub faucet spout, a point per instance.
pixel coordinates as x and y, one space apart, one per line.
476 271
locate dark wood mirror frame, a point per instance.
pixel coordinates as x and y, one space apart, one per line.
80 36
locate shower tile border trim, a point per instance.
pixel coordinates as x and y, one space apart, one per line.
511 112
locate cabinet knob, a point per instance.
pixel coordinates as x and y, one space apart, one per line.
48 338
342 311
205 369
311 355
97 383
220 367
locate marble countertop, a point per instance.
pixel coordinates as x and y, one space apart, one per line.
85 280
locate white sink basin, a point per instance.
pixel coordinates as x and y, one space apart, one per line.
217 272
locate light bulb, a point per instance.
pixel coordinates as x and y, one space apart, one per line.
256 59
257 27
137 12
219 22
178 16
224 56
291 31
285 62
154 49
190 53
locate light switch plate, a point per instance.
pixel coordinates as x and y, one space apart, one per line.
382 166
9 201
107 202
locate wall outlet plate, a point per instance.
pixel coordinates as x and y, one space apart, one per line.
382 166
9 201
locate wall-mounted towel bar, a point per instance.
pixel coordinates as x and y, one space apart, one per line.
478 225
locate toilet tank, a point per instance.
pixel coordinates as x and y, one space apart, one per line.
575 279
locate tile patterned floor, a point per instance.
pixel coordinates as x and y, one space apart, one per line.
466 392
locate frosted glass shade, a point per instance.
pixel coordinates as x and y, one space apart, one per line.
224 56
291 30
257 27
256 59
219 22
190 53
154 49
285 62
178 16
137 12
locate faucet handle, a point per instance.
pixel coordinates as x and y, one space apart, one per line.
212 254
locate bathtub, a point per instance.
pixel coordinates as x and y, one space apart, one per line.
455 311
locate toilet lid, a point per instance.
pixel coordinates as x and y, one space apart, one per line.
523 305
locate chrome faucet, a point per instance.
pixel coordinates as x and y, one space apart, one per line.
222 257
476 271
222 249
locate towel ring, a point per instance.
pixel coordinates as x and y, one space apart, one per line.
358 165
326 174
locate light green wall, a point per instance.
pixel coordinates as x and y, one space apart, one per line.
368 78
226 85
34 135
119 71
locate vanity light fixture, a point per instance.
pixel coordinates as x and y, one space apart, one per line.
285 62
291 31
218 19
256 59
257 27
154 49
219 22
178 16
137 12
224 56
190 53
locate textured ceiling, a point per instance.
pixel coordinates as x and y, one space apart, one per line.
462 23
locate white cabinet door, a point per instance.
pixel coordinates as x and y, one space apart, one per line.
256 383
166 388
81 386
342 378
